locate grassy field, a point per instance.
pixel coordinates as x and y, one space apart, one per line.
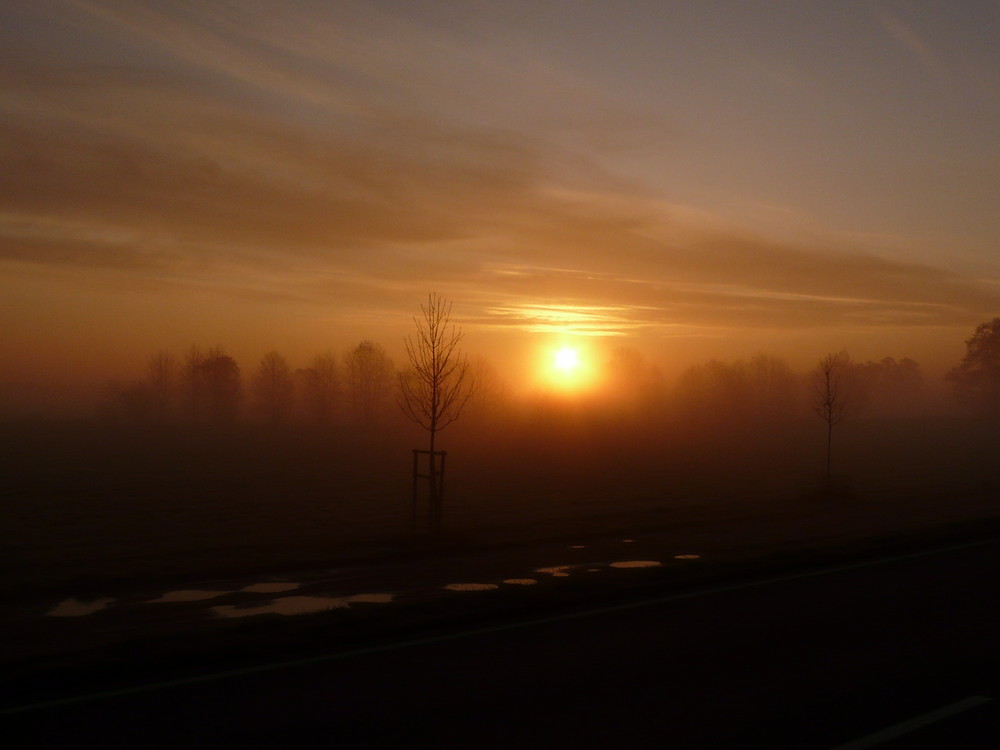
84 506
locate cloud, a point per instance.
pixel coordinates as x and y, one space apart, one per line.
324 158
237 178
710 307
908 39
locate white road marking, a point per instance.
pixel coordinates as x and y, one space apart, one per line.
403 644
917 722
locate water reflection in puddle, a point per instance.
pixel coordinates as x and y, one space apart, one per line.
188 595
278 587
471 586
79 608
302 605
558 571
520 581
636 564
687 557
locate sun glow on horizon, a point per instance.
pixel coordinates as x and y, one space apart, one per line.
567 367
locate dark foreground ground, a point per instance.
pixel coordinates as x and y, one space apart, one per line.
895 650
149 588
84 506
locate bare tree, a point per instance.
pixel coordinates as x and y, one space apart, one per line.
321 385
368 371
832 398
771 388
161 378
272 384
889 386
634 383
976 380
718 393
219 377
127 404
490 393
193 382
438 385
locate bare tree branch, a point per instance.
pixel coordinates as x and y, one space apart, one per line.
438 385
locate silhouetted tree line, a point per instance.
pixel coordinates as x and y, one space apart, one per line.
762 389
207 386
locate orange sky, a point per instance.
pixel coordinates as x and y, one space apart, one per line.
697 180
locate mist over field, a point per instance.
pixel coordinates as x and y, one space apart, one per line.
202 466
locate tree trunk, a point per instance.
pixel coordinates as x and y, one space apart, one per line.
829 454
434 501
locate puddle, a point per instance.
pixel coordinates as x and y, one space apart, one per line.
627 541
687 557
558 571
520 581
471 586
302 605
637 564
189 595
578 546
79 608
271 588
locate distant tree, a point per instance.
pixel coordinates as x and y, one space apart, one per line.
627 365
193 383
320 385
889 386
739 393
141 402
219 377
127 404
976 380
714 392
438 384
490 394
831 398
161 378
368 371
771 387
632 381
272 387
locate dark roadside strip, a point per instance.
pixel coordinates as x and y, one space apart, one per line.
106 648
441 630
916 727
155 650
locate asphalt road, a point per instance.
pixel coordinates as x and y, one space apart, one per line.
900 653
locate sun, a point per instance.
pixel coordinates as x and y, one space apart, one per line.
566 368
567 360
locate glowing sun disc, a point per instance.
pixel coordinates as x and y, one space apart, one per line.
567 359
566 367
